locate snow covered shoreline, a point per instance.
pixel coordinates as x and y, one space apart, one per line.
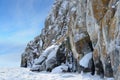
26 74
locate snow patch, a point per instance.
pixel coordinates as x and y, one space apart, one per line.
64 5
113 6
77 36
35 51
45 54
85 60
111 46
41 43
60 69
25 74
109 78
52 53
73 9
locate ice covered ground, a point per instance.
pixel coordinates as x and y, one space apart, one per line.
25 74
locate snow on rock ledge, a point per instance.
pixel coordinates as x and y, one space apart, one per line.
45 54
85 60
47 60
60 69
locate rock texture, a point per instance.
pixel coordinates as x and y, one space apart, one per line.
79 27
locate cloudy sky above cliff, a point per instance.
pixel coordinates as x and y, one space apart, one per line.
20 22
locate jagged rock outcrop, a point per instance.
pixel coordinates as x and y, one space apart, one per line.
79 27
103 20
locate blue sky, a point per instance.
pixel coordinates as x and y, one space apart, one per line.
20 22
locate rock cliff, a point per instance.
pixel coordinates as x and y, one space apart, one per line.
73 29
